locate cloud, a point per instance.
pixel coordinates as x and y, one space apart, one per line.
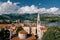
28 9
9 7
34 9
50 10
0 3
53 9
6 8
16 3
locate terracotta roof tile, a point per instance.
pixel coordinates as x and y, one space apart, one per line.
4 25
31 37
7 25
16 38
43 28
22 32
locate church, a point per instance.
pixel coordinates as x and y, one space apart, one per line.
34 30
37 30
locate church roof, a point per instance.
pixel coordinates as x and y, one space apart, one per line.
22 32
31 37
31 25
4 25
43 28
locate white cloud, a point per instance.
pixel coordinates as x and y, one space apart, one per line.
42 10
0 3
28 9
53 9
6 8
16 3
34 9
50 10
9 7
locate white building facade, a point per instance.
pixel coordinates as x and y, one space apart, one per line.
36 30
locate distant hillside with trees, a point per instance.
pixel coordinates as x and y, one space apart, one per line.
32 17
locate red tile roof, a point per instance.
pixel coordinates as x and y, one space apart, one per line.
4 25
16 38
7 25
22 32
31 37
43 28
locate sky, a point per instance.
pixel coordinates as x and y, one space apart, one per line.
39 3
30 6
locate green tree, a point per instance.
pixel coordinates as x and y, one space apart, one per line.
18 29
53 33
2 33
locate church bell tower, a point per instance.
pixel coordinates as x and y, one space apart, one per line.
39 32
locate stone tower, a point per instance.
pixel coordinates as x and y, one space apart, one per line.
39 32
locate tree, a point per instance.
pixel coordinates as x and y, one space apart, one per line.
4 34
53 33
18 29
